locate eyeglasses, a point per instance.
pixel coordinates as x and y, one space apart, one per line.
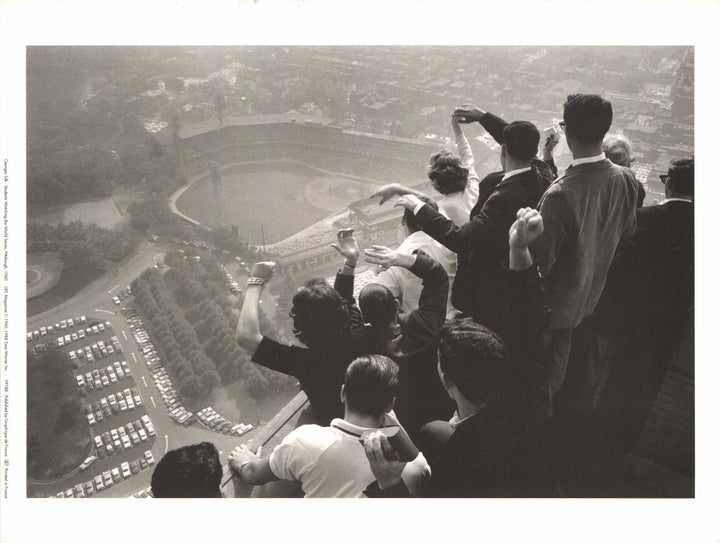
664 178
563 125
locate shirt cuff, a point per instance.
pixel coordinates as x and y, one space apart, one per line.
418 208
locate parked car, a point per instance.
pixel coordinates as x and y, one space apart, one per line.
116 475
90 488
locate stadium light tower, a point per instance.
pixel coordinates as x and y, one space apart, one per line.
216 179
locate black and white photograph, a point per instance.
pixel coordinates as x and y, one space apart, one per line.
316 266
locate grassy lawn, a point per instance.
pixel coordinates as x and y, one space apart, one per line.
58 439
71 282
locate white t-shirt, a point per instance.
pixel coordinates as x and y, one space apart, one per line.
405 285
330 461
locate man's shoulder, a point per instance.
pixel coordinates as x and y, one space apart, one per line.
670 212
270 348
312 436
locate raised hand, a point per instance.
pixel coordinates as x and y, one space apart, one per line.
467 113
550 142
386 258
388 191
347 246
526 229
264 270
409 201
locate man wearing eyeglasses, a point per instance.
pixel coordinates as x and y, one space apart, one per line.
587 211
645 310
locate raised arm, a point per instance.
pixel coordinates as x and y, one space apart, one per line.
469 113
464 149
247 331
526 229
347 247
422 324
396 189
434 223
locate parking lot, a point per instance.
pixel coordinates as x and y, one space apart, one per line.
122 431
173 424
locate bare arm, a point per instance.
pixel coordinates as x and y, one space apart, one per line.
395 189
250 467
247 332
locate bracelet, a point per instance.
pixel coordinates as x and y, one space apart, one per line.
349 265
255 281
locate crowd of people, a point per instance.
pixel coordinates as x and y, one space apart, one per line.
515 341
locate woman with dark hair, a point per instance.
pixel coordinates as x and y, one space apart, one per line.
322 321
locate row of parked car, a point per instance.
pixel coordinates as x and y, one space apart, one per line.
162 380
232 284
95 329
213 420
124 437
57 327
90 353
112 404
102 377
124 293
109 477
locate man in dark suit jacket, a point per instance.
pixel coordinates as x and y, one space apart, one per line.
495 126
645 306
481 244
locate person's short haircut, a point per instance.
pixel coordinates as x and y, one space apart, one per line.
617 150
377 305
316 281
410 220
475 360
194 471
447 173
587 117
682 176
521 139
371 383
319 313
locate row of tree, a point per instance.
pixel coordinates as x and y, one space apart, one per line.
191 316
81 245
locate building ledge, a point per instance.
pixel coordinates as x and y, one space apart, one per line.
295 413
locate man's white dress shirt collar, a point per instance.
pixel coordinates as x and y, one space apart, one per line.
514 172
587 160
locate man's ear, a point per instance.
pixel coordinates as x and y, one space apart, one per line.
342 393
